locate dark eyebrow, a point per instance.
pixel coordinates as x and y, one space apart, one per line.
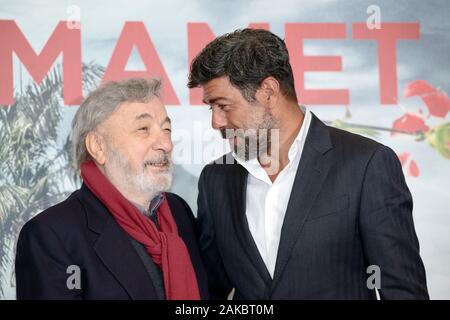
213 100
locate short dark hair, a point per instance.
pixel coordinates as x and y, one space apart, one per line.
247 57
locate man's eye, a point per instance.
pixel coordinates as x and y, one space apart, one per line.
220 106
169 130
143 129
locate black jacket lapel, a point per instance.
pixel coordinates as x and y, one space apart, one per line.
311 173
238 187
115 250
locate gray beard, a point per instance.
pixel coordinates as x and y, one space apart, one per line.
141 181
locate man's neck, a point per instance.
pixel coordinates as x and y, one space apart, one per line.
290 123
143 200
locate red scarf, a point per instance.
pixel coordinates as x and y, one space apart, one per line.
165 247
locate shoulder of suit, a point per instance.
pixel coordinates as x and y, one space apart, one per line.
179 207
352 143
174 198
225 163
225 159
61 215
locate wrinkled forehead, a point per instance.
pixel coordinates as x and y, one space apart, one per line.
129 112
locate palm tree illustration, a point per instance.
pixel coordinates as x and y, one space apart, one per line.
34 167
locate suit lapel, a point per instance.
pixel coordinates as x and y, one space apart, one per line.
114 248
237 184
311 173
116 251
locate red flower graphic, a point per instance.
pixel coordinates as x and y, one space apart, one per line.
412 167
403 157
418 88
410 123
437 101
414 124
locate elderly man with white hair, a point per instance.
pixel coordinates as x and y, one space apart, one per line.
121 235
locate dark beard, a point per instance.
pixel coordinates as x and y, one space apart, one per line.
253 146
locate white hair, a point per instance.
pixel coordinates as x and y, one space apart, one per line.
101 103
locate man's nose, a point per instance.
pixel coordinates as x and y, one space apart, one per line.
218 119
163 142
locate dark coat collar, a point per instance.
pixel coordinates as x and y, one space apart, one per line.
115 249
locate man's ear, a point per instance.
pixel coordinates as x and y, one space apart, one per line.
96 146
269 91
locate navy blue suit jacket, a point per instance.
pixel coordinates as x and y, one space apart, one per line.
349 208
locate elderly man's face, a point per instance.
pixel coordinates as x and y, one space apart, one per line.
139 146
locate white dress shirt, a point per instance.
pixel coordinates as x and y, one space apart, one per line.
266 201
